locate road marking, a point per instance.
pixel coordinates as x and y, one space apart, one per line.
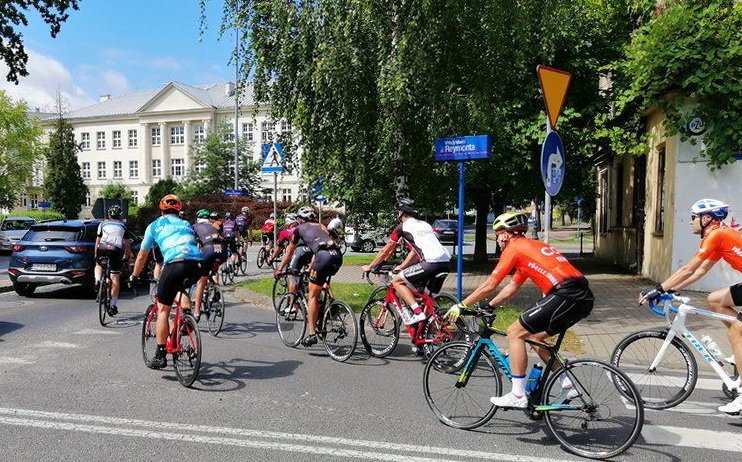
165 430
97 332
694 438
701 384
12 360
55 345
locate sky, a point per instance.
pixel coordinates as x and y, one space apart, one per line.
111 47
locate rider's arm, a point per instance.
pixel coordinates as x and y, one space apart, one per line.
484 290
384 254
506 293
97 243
411 257
141 261
287 256
688 274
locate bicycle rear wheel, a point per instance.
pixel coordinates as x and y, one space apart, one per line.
379 326
340 331
103 302
149 340
291 319
280 288
215 315
262 257
187 360
243 264
468 406
592 418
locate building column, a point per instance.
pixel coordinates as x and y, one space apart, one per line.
187 147
145 170
165 144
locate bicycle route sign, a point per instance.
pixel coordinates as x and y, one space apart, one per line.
552 163
272 154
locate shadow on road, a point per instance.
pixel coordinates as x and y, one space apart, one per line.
8 327
233 374
242 330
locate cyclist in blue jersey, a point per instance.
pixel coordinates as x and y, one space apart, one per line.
182 265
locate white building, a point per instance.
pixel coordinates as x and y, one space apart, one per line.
139 138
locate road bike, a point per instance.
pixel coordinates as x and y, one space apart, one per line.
281 283
264 254
212 305
104 292
336 323
580 400
661 361
380 320
183 343
242 246
228 269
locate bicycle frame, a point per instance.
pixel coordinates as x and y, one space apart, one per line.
677 329
415 330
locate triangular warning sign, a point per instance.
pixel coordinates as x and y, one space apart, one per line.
554 86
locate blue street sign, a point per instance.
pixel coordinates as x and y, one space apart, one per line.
321 199
552 163
580 200
272 154
234 193
45 204
462 148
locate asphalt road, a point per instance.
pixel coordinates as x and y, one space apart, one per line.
4 260
72 389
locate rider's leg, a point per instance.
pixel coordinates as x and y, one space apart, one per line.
98 273
313 307
162 330
722 302
115 288
516 334
200 287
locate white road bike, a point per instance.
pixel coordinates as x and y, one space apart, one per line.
672 372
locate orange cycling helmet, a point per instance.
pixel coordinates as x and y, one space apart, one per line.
171 202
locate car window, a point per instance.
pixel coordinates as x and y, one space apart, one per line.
53 234
90 232
15 225
444 224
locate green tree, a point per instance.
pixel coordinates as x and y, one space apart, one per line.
162 188
116 191
63 182
19 148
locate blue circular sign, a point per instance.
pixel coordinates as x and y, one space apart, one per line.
552 163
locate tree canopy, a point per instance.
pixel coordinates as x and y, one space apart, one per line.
63 183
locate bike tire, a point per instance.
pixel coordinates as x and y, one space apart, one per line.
597 422
149 338
262 257
232 269
215 316
103 302
671 382
379 340
187 361
340 331
464 407
291 321
280 288
243 264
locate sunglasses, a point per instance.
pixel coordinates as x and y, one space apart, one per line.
693 216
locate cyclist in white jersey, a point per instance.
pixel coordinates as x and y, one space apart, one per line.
113 241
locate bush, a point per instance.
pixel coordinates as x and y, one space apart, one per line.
37 215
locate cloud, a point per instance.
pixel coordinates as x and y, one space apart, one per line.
115 82
46 78
166 62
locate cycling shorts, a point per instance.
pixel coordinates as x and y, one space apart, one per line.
302 257
326 264
231 243
736 291
175 277
562 307
211 263
243 232
419 274
115 259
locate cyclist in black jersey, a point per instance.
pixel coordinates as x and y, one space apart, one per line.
214 250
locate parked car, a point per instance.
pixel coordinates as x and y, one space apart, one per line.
446 231
59 251
12 230
366 241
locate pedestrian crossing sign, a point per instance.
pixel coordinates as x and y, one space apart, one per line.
272 158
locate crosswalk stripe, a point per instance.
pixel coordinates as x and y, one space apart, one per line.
692 437
703 384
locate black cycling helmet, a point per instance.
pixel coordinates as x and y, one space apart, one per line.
406 206
115 211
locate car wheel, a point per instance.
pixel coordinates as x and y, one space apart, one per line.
368 246
24 289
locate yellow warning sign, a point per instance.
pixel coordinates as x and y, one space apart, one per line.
554 86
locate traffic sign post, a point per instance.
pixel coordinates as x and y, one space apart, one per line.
273 163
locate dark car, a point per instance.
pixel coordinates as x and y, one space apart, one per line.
59 251
446 231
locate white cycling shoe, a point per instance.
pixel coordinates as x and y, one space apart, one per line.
566 394
417 317
733 408
510 401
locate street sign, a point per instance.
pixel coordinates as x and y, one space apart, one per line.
552 163
462 148
45 204
580 200
554 86
234 193
272 158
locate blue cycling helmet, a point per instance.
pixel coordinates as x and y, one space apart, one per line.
713 207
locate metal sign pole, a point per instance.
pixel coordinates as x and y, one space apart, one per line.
275 207
236 109
460 243
547 198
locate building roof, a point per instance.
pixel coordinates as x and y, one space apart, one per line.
214 96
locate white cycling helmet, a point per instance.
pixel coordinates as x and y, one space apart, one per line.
290 218
713 207
334 224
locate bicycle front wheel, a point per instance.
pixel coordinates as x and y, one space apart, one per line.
215 314
149 339
457 405
340 331
280 288
103 302
379 326
291 319
243 264
668 384
588 414
262 257
187 360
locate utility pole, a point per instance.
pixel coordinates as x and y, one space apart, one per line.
236 108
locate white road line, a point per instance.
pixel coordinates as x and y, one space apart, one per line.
701 384
166 428
696 408
100 331
56 345
693 438
12 360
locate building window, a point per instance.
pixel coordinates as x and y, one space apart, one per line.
266 131
177 135
604 197
176 168
100 140
85 141
229 133
88 199
135 197
285 126
199 133
247 131
101 170
133 139
156 167
24 200
116 139
117 169
85 169
156 138
619 194
133 169
200 166
287 195
659 210
34 201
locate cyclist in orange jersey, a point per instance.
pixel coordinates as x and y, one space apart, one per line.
717 242
567 299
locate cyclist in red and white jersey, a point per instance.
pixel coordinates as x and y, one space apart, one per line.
268 229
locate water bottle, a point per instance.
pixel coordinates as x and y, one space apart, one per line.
534 377
712 347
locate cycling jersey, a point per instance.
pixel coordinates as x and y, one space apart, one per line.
229 228
112 234
722 242
208 236
268 225
534 260
243 223
174 236
314 235
422 239
287 234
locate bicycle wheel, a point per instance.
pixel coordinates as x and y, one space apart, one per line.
187 360
149 340
340 331
674 378
593 418
469 323
262 257
103 302
291 319
215 315
438 331
280 288
243 264
379 326
467 406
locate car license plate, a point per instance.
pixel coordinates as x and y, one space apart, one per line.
447 232
43 267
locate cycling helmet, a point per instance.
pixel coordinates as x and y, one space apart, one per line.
512 222
334 225
306 213
203 213
273 215
713 207
228 215
290 218
172 203
114 211
245 210
406 206
213 215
